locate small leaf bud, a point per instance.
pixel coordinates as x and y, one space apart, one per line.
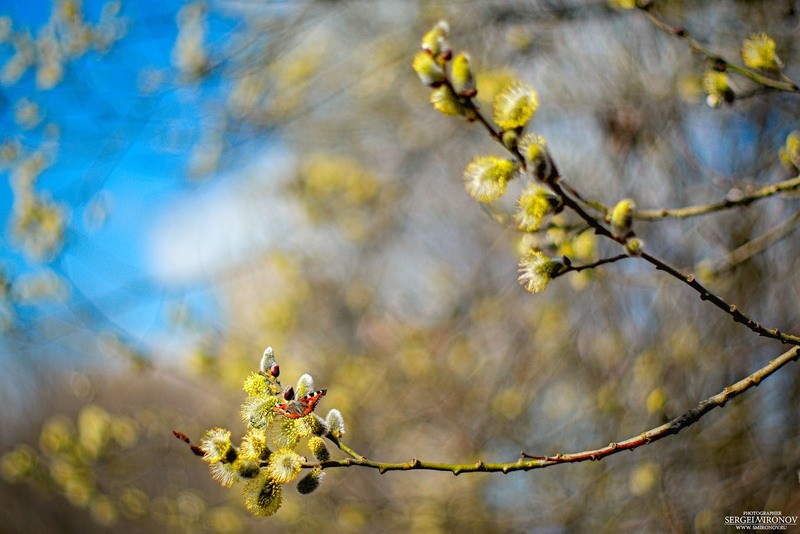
274 370
268 364
634 247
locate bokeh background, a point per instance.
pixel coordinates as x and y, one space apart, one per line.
187 183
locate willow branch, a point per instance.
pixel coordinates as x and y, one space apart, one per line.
529 462
787 85
688 279
569 201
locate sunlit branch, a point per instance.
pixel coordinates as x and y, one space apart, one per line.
529 462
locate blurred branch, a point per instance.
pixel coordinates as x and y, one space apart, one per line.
530 462
754 246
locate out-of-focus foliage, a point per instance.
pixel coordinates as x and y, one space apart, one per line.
383 278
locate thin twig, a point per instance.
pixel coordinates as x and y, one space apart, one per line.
579 268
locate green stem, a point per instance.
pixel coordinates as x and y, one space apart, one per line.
350 452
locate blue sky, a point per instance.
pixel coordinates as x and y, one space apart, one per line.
118 149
